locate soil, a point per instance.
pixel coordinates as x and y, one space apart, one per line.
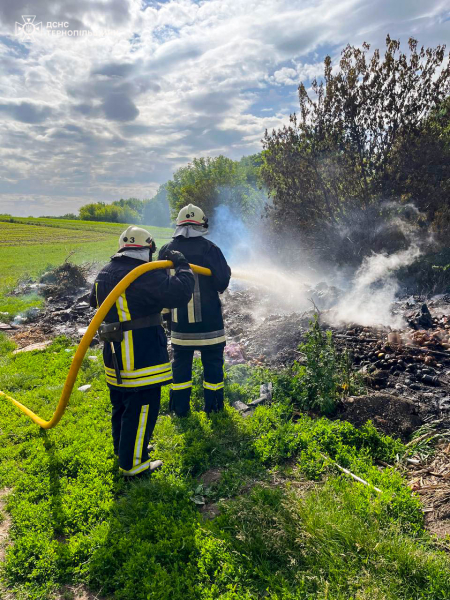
390 414
76 592
210 477
4 533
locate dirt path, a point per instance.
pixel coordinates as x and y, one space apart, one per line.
76 592
5 525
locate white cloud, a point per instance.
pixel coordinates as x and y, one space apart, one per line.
286 76
103 117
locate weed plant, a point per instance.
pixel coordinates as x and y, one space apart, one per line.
291 526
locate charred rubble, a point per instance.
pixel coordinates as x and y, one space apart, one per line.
412 362
66 310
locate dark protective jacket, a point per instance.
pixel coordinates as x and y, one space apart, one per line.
142 355
200 321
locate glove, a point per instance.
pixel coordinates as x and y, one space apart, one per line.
176 257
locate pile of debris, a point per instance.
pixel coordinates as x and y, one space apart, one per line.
258 335
66 310
63 281
412 363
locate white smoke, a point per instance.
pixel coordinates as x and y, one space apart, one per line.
374 287
368 296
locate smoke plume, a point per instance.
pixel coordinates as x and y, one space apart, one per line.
373 290
365 298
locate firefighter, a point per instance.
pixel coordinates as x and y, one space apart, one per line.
198 325
135 351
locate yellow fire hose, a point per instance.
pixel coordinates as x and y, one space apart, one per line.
88 337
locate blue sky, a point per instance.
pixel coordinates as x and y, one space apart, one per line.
112 114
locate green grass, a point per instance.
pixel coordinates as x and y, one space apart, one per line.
28 247
291 525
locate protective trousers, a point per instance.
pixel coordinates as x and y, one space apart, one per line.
212 360
134 415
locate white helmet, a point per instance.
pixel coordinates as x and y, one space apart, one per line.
192 215
136 237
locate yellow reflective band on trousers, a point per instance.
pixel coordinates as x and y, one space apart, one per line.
213 386
136 470
140 436
127 342
182 386
180 342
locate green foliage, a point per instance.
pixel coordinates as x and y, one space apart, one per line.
376 130
211 182
321 378
156 210
326 374
153 212
279 536
122 211
67 216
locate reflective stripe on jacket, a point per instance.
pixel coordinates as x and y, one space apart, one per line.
142 355
200 321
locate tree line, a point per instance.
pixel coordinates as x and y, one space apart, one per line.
132 210
205 182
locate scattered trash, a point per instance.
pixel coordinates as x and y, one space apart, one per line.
32 347
8 326
239 406
265 392
84 388
234 354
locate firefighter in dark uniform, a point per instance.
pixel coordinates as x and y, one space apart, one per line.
198 325
135 352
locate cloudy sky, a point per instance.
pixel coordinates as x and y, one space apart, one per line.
111 102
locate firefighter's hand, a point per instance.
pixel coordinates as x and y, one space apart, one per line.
176 257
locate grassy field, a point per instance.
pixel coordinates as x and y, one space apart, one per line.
288 524
30 246
291 526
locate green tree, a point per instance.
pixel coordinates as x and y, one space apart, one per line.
420 171
210 182
156 210
329 171
110 213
